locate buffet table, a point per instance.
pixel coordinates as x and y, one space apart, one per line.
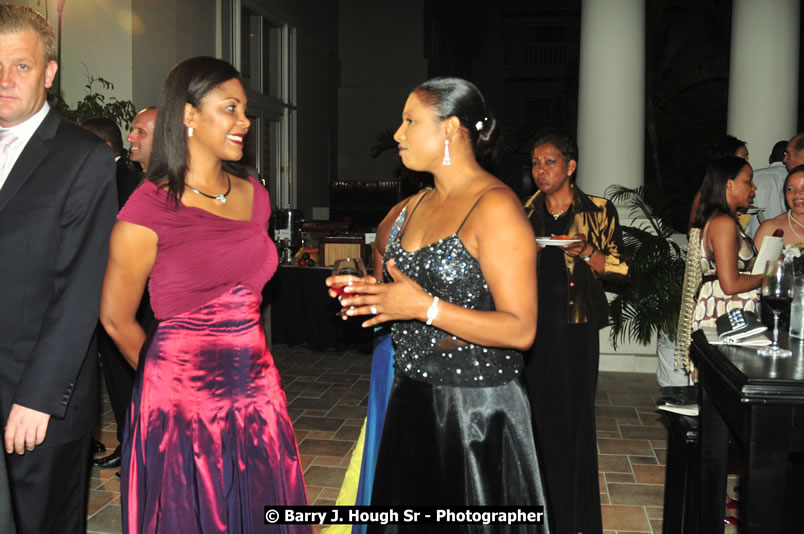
760 402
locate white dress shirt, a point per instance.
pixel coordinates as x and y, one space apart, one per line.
24 131
769 195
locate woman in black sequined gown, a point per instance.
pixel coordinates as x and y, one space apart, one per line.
561 370
463 302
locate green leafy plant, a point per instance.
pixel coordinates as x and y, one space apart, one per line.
96 104
650 299
383 140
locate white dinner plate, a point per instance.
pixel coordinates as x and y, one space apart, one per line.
550 242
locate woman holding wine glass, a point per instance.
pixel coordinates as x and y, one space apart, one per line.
351 270
461 293
727 253
358 481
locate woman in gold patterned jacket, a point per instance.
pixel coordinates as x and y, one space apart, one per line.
561 371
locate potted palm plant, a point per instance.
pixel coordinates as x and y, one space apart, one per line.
648 304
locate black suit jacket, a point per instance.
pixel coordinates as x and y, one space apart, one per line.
57 208
128 178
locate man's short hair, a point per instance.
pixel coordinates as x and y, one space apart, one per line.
798 143
107 130
17 19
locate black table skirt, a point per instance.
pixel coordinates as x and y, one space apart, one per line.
303 314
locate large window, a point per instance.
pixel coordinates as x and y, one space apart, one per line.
263 47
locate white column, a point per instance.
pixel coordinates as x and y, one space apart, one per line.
763 76
611 95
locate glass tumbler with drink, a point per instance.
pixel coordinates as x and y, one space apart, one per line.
777 293
355 270
797 311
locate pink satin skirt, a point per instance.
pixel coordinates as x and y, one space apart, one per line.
208 442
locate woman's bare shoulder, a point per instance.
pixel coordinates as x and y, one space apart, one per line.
497 207
721 227
384 228
722 222
770 225
492 191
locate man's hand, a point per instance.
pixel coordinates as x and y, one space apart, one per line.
26 428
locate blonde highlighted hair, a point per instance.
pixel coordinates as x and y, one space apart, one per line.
17 19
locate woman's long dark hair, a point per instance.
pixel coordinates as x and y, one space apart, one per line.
724 147
188 82
713 191
462 99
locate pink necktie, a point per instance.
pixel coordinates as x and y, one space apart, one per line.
7 138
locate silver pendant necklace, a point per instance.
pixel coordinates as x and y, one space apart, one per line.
220 198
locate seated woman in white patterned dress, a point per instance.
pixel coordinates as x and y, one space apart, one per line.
727 254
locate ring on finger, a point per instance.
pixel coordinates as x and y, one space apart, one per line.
374 309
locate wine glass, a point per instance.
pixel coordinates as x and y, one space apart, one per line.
344 267
777 293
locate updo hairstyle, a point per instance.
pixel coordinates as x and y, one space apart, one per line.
462 99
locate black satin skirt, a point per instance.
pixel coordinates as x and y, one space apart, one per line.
447 445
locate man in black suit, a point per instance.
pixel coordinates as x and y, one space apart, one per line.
128 178
117 372
6 515
57 207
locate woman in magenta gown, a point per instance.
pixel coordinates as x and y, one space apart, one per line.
208 442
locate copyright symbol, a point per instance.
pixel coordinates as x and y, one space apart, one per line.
271 516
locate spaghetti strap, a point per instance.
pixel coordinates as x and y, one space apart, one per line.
410 216
469 213
473 207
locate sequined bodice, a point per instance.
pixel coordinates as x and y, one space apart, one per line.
445 269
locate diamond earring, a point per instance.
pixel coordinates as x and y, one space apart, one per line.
189 131
447 162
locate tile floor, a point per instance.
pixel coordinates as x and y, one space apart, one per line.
327 398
